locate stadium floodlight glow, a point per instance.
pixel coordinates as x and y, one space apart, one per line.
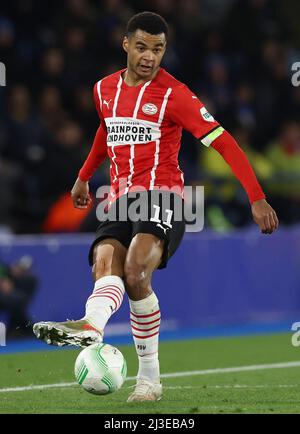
2 334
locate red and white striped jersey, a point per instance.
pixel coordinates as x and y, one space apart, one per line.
143 126
140 130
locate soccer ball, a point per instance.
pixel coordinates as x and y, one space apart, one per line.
100 369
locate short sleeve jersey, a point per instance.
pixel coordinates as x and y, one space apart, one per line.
144 126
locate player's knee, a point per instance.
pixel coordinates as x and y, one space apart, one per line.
102 264
101 268
135 276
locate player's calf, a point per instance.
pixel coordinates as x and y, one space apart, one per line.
144 256
145 321
105 300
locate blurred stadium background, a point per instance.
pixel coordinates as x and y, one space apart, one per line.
237 55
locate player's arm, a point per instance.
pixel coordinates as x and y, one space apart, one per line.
80 191
188 111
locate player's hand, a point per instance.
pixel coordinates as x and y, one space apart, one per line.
80 194
264 216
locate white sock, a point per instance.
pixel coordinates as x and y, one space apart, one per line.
105 300
145 322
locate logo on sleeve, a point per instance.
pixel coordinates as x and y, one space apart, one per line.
149 109
206 116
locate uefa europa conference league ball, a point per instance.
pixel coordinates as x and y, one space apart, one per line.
100 369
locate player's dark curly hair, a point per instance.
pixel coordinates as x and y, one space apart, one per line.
148 22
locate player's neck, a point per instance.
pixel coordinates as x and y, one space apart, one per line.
133 79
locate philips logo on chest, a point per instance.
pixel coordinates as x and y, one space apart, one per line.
129 131
149 109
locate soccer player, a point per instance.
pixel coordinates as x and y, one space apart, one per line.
142 111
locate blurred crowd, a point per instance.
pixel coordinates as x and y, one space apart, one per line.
236 55
18 285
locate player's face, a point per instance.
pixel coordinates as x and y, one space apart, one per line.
145 53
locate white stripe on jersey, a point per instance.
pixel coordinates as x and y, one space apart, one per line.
139 98
157 148
131 166
164 104
117 95
136 109
182 180
153 170
99 93
114 115
116 166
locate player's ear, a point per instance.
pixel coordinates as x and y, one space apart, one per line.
125 44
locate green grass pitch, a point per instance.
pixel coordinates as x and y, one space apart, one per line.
254 391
